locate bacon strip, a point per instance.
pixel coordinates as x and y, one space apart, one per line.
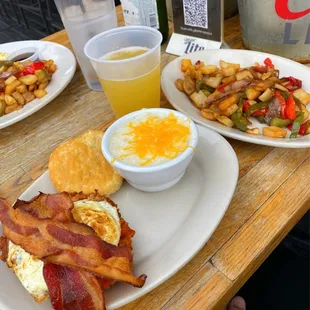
43 206
4 247
71 289
68 244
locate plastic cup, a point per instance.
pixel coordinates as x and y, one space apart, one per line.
130 84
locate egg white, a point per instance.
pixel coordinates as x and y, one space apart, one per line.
29 269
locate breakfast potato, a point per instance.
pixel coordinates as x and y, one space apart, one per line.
12 108
263 85
32 87
215 108
28 79
214 81
230 110
224 65
28 96
225 121
253 131
9 89
227 102
21 88
44 85
274 132
243 74
302 95
9 100
39 93
191 72
209 114
229 79
251 93
189 85
2 107
179 84
10 80
209 69
266 95
186 64
199 99
199 64
2 96
19 98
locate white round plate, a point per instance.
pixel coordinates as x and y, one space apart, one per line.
171 226
245 58
66 65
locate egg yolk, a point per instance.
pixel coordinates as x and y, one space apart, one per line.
154 137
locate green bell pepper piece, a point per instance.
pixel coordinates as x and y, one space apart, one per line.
296 125
279 122
256 107
261 119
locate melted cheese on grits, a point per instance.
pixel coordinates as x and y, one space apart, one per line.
100 215
151 140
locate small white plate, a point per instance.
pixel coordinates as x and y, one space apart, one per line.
245 58
66 65
171 226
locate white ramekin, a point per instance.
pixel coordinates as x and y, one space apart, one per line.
151 178
31 50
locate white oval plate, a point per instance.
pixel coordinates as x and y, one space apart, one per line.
66 65
171 226
245 58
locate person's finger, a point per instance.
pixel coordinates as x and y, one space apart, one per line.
237 303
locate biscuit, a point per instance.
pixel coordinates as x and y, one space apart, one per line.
78 165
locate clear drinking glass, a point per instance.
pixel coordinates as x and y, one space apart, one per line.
130 84
84 19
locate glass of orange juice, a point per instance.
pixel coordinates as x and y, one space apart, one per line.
127 62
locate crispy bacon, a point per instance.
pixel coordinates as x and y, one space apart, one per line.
4 246
68 244
43 206
71 289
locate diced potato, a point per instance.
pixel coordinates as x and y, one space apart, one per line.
199 64
39 93
229 101
215 108
243 74
19 98
266 75
189 85
251 93
185 64
225 120
42 75
263 85
198 99
11 108
302 95
230 70
230 110
10 80
191 72
9 100
274 132
44 85
28 79
253 131
198 75
2 107
52 68
209 114
229 79
179 84
266 95
32 87
209 69
11 69
21 88
28 96
1 96
11 87
214 81
305 112
224 64
307 125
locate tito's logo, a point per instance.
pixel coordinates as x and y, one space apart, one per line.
283 11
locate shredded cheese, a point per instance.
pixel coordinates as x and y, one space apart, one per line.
157 137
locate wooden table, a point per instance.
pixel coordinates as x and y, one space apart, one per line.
273 192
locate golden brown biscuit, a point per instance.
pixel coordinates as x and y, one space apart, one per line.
78 165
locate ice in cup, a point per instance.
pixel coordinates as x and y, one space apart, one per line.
127 62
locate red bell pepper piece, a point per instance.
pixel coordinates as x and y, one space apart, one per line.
261 112
221 88
38 65
282 103
302 129
290 108
245 105
268 63
294 83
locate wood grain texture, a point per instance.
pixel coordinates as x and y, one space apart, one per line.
260 214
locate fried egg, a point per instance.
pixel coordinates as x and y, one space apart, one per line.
101 216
